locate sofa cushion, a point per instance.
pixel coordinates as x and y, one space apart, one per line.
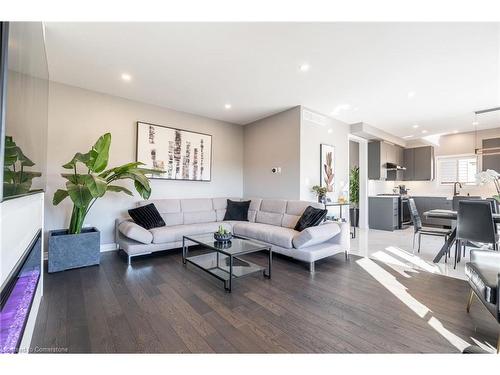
176 232
298 207
237 210
147 216
485 279
273 205
164 206
275 235
199 217
289 221
170 219
136 232
269 218
196 205
310 218
315 235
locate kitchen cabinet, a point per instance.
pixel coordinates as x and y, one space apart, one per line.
383 212
491 161
424 204
419 163
379 154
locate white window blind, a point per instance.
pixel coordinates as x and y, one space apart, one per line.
452 169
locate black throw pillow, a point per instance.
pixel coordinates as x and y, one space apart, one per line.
310 218
147 216
237 211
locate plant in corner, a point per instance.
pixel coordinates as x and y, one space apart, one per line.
490 175
88 181
354 192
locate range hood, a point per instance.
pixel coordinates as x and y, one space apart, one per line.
394 167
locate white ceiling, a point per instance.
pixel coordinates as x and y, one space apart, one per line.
452 68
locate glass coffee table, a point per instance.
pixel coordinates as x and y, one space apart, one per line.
223 258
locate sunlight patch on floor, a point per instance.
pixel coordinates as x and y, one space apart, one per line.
453 339
414 259
400 291
392 262
393 285
485 346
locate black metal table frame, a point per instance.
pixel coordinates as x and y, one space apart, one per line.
227 283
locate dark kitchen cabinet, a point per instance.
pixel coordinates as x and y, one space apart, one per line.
419 163
379 154
408 162
491 161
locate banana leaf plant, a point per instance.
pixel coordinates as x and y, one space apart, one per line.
16 179
85 188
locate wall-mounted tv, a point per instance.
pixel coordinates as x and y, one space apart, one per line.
24 108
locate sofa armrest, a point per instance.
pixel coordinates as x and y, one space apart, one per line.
485 257
316 235
136 232
343 239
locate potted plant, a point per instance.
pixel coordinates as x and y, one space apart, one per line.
354 194
320 192
77 246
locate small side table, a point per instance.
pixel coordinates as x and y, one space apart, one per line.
340 205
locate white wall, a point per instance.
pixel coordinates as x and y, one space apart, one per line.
273 142
78 117
453 144
312 134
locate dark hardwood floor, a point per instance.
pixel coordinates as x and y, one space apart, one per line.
159 306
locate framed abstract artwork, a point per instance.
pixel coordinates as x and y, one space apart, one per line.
327 160
180 154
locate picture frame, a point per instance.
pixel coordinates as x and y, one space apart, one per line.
183 155
327 167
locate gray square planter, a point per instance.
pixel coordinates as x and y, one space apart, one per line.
68 251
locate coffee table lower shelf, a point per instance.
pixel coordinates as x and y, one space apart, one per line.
218 265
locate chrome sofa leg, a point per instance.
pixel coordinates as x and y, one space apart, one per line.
498 344
469 302
129 260
311 267
346 255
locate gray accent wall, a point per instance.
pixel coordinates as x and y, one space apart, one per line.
273 142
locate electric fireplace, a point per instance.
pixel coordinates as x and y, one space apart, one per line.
17 296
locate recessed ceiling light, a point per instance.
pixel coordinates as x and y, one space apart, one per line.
304 67
455 131
408 136
330 131
411 94
227 106
126 77
424 131
415 126
475 123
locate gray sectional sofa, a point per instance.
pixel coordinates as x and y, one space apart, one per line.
269 220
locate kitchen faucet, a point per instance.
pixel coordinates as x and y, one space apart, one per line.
455 192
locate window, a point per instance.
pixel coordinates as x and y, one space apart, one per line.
461 168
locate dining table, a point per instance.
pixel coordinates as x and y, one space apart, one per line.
451 215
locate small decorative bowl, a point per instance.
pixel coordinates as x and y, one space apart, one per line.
223 237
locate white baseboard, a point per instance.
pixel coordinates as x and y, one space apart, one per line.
105 247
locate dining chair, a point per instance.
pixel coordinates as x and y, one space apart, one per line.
459 198
475 224
483 275
419 230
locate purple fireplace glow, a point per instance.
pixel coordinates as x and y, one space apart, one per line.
17 296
